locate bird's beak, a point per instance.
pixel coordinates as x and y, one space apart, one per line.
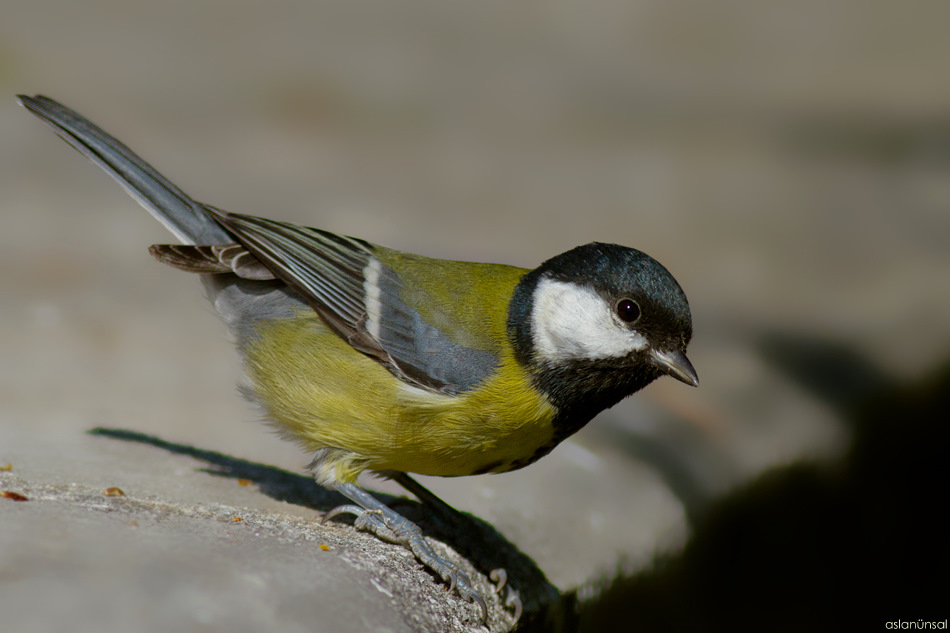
674 363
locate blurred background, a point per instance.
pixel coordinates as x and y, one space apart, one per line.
788 163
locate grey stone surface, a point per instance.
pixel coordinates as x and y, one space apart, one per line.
788 164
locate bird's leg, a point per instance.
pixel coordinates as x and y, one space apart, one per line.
499 576
377 518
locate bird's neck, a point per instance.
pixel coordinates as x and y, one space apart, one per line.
580 390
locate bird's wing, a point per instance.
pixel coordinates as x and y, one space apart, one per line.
429 324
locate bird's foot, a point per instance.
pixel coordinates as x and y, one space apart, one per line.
388 525
511 599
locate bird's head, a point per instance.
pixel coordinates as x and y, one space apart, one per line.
599 322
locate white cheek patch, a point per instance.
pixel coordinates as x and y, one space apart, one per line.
570 322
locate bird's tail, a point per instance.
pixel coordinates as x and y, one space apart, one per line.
171 206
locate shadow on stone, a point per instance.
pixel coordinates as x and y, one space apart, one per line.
274 482
814 546
471 537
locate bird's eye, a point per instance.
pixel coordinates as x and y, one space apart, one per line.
628 310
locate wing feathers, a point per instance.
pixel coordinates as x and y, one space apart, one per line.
328 270
357 296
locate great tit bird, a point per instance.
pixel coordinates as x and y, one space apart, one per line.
376 359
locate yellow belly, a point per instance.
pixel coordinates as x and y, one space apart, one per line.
322 393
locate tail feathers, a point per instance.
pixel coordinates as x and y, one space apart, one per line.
171 206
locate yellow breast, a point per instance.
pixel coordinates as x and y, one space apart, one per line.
322 393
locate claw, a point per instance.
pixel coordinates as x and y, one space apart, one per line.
453 578
366 520
459 581
344 509
499 577
512 600
483 607
464 586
